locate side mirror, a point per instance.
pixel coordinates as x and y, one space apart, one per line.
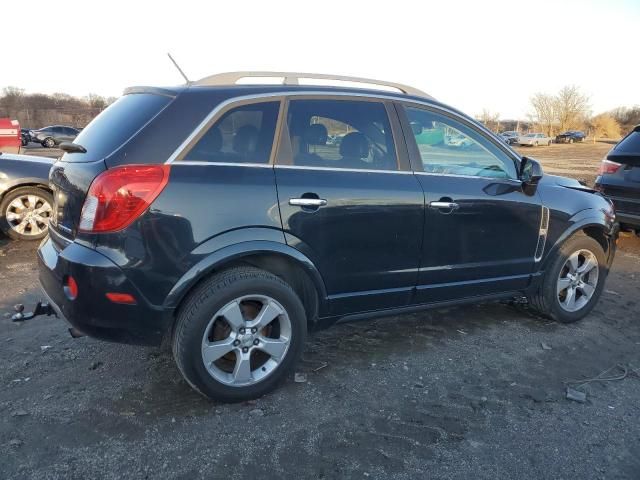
416 127
530 174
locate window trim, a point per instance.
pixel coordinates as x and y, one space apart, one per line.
214 116
286 95
284 155
414 152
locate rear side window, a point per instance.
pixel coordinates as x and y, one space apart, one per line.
242 135
340 134
117 124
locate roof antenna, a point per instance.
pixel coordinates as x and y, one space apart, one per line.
179 69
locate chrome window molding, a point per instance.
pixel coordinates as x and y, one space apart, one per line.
211 117
337 169
497 179
223 164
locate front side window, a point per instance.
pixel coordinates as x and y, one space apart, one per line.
242 135
341 134
450 147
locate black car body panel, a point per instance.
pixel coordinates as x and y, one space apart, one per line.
23 170
375 247
622 186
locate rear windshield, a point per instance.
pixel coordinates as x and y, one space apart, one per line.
117 124
629 145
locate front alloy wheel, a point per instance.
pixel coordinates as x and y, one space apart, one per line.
573 280
578 280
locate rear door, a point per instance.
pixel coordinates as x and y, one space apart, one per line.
349 201
481 231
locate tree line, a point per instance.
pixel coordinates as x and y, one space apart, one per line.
37 110
569 109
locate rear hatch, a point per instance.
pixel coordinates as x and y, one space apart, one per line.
72 175
620 178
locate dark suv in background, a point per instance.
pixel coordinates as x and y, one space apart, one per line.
619 179
222 217
570 136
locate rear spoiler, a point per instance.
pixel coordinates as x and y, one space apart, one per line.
152 90
629 146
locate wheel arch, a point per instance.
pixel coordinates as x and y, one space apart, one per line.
277 258
594 227
24 182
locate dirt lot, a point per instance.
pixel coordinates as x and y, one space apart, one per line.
469 392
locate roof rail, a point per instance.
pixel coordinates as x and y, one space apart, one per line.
293 78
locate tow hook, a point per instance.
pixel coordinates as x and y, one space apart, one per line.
40 309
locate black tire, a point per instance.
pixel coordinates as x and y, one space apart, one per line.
571 140
535 144
24 141
545 299
202 304
48 143
9 197
549 143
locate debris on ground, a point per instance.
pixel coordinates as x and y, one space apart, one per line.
300 377
19 413
545 346
256 412
15 442
95 365
576 395
44 348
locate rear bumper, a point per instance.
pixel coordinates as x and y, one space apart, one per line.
91 312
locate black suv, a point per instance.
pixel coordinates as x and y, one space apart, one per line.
220 216
619 179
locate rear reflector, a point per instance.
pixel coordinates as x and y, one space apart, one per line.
120 195
607 167
70 287
121 298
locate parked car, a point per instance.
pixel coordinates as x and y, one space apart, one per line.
571 136
25 136
510 137
619 179
50 137
182 214
25 197
534 139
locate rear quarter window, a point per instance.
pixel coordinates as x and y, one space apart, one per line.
116 125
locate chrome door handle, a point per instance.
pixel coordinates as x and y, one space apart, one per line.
307 202
444 205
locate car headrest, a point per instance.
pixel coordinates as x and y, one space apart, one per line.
316 134
211 142
354 145
245 139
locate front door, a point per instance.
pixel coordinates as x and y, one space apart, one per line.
481 229
349 202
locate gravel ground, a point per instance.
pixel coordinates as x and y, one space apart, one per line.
468 392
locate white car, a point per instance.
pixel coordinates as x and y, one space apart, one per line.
534 139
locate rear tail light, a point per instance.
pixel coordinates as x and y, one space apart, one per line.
120 195
608 167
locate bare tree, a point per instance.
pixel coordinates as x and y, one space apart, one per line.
489 119
571 108
544 111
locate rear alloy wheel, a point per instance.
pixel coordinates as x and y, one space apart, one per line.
25 213
573 280
48 143
239 334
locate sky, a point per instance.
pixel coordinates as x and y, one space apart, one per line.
473 55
